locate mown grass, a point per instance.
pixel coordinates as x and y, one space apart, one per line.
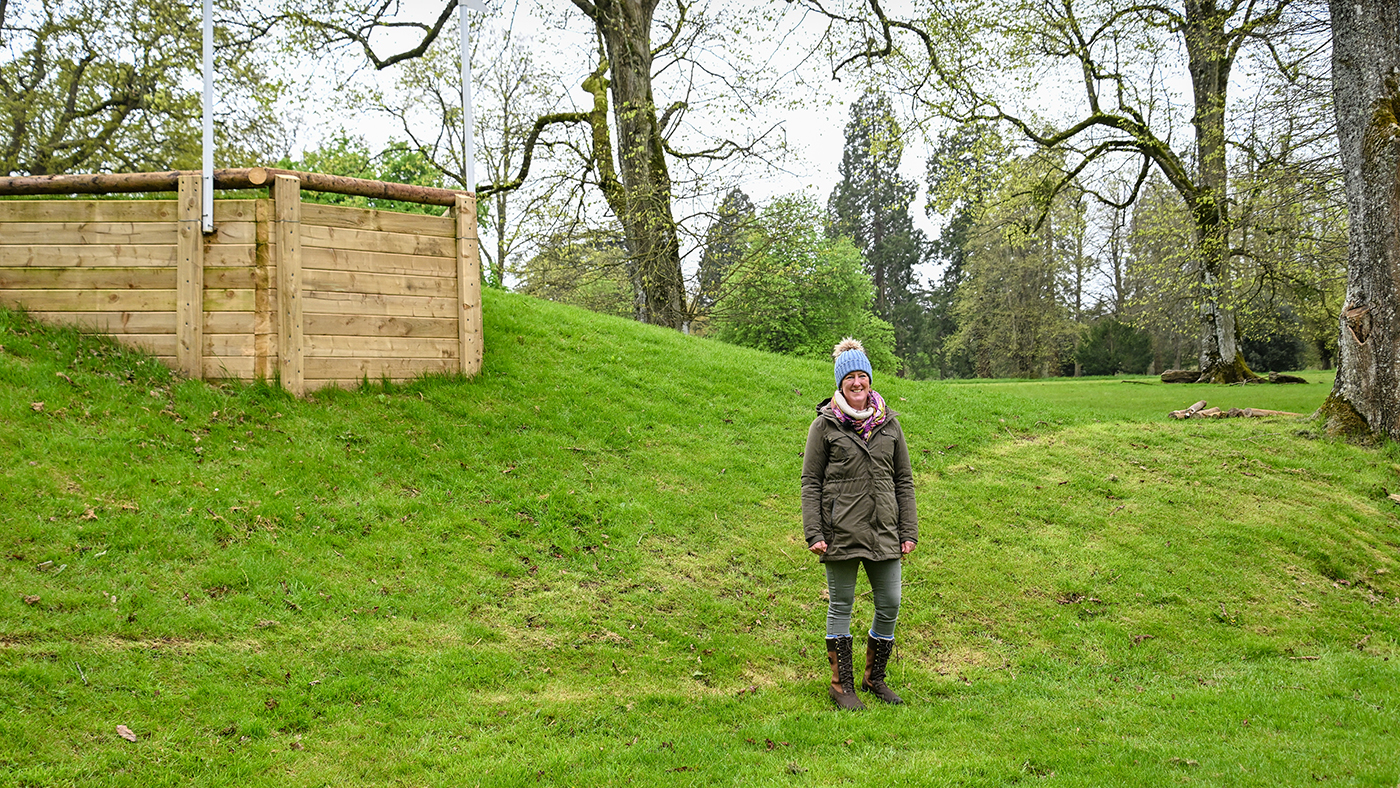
585 567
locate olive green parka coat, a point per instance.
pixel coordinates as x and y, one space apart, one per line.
857 497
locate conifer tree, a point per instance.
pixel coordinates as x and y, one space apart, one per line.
870 205
724 248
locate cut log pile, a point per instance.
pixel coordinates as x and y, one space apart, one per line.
1200 411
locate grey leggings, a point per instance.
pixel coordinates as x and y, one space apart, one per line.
884 579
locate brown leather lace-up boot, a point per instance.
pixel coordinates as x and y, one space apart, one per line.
877 656
843 681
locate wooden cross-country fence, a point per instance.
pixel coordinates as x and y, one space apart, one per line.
308 294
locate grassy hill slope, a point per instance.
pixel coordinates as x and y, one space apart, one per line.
585 567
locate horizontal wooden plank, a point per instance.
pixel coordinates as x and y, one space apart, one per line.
147 322
111 322
243 232
87 211
91 300
381 284
375 368
118 255
94 300
215 345
349 384
233 367
230 255
236 322
155 344
90 232
220 277
229 300
84 278
235 210
27 233
321 302
323 346
380 221
371 241
114 210
379 326
228 345
218 368
160 255
119 278
378 262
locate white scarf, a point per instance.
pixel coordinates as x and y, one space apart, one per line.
859 415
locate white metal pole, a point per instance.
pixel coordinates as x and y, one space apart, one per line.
207 192
469 148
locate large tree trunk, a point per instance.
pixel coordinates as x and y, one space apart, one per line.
1210 57
643 204
1365 400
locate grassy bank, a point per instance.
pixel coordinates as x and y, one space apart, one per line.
585 567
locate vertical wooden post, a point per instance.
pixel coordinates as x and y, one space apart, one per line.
286 203
265 364
189 278
468 286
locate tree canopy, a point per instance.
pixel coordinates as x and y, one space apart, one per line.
112 85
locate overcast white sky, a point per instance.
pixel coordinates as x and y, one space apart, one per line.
813 119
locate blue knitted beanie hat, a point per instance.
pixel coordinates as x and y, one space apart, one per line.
850 356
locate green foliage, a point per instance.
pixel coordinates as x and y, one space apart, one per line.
1279 352
960 173
1294 224
870 205
725 244
349 156
1012 319
1112 347
799 292
589 271
391 585
114 85
1160 295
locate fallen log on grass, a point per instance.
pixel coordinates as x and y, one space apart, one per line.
1274 377
1181 376
1254 413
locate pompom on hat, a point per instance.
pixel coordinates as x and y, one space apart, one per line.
850 356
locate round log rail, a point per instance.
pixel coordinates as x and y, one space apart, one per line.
243 178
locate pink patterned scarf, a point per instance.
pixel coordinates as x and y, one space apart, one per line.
875 414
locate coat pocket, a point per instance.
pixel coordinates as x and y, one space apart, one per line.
851 513
886 509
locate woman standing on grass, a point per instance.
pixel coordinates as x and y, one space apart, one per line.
858 508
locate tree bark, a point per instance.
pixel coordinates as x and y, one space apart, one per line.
643 204
1210 54
1365 401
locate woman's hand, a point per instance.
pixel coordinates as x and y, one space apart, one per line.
819 548
906 548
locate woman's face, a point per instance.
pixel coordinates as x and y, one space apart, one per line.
855 387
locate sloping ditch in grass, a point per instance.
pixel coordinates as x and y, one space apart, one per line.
585 567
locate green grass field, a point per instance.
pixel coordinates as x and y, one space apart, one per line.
585 567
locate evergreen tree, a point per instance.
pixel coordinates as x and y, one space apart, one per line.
870 205
1112 347
724 248
960 173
